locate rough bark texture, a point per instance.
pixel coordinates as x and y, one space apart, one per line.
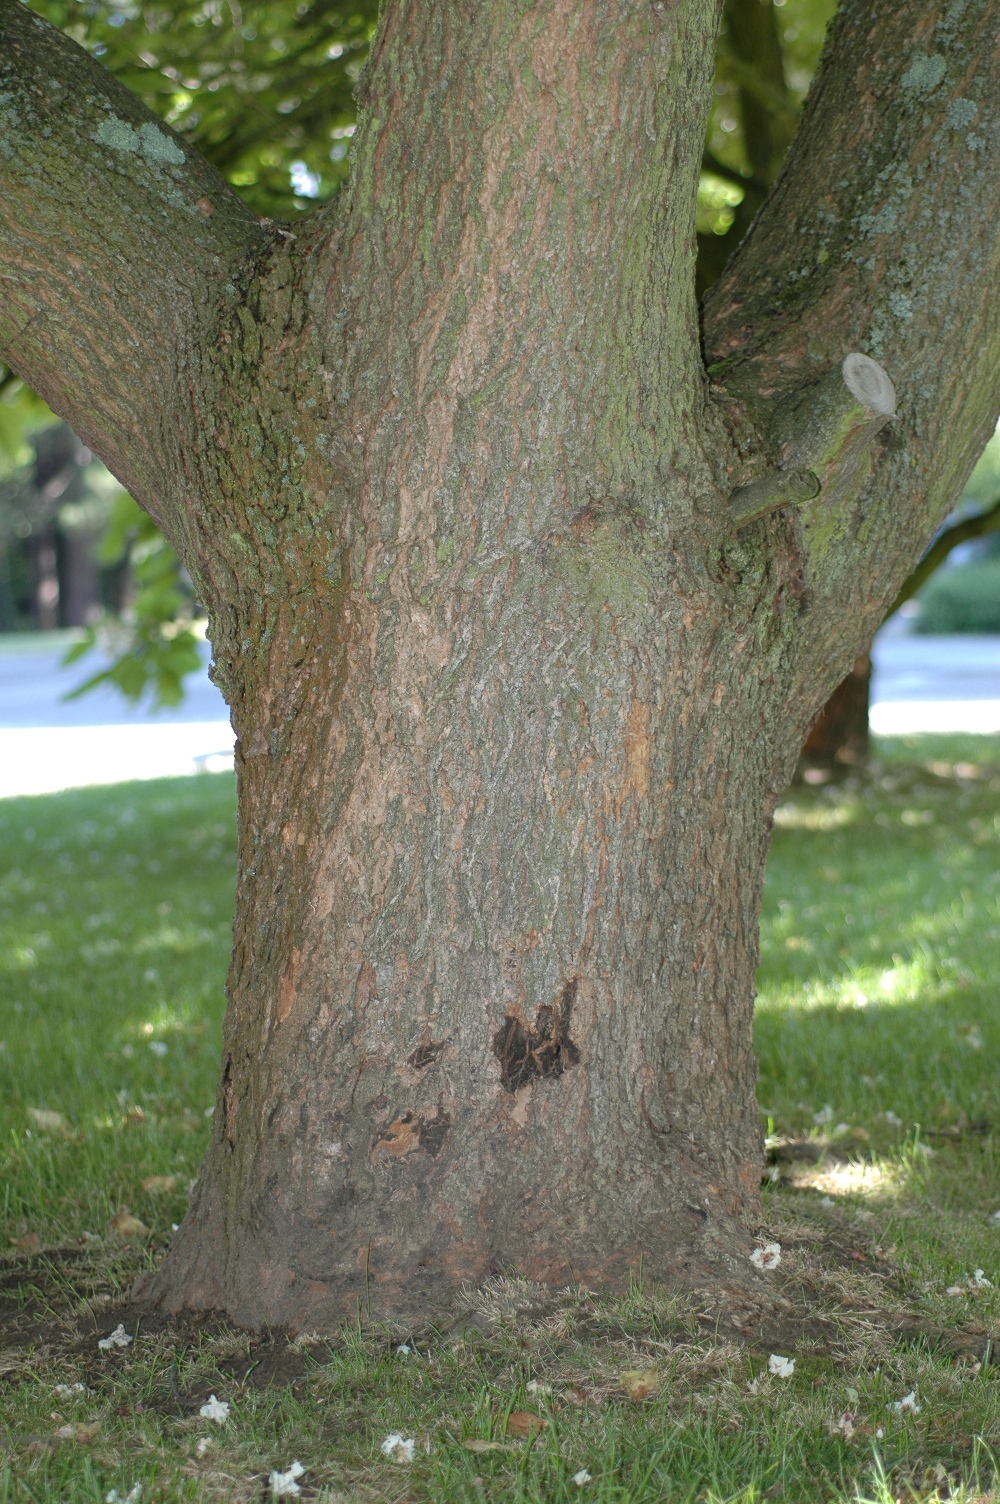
515 687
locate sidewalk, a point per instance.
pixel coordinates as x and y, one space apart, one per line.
47 743
920 684
927 684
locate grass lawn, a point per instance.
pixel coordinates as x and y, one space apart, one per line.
878 1032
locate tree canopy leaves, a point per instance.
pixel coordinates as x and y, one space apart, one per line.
264 91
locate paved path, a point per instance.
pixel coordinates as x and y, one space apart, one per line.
47 743
934 683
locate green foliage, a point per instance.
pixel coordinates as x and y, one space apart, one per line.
156 644
963 599
21 414
742 81
257 88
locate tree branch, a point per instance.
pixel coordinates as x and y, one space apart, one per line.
880 236
118 250
962 532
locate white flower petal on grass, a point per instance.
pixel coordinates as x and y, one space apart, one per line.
399 1448
581 1477
879 1434
955 1290
213 1409
907 1405
132 1497
533 1387
768 1257
118 1338
782 1368
284 1484
204 1442
994 1219
68 1391
981 1282
403 1350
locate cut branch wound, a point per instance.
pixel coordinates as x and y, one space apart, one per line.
824 441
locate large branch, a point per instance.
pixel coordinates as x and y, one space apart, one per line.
880 237
118 249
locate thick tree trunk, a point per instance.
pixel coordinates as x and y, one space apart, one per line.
521 627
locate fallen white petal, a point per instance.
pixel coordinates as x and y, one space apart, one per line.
67 1391
284 1484
908 1402
581 1477
768 1257
213 1409
119 1338
403 1350
204 1442
132 1497
398 1447
879 1434
981 1282
955 1290
533 1387
783 1368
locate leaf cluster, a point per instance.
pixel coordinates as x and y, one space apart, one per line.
156 644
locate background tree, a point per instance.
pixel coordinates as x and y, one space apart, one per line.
523 587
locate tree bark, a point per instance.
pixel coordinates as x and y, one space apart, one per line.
520 623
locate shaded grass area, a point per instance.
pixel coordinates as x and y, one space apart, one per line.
878 1033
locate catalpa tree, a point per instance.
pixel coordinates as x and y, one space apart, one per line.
524 587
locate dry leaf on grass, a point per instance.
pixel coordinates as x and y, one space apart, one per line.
124 1225
524 1423
159 1185
82 1433
640 1383
475 1445
30 1243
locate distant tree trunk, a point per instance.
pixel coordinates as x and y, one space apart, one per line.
45 569
838 738
521 612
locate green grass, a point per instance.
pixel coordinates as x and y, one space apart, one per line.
878 1032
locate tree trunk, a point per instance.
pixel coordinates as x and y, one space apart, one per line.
521 624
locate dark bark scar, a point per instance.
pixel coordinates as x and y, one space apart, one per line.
546 1050
426 1054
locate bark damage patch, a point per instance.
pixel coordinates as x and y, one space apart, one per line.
410 1132
546 1050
